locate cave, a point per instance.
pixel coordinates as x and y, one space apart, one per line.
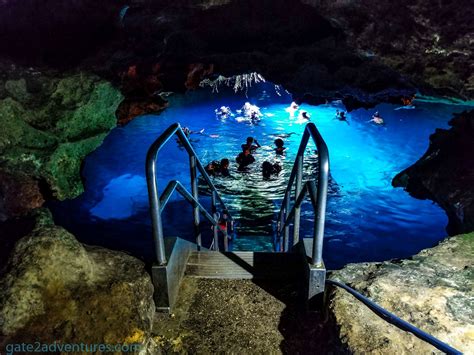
89 252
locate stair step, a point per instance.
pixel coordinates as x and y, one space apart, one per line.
243 265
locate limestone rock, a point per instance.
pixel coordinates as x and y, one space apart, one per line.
434 291
445 173
19 193
56 289
50 122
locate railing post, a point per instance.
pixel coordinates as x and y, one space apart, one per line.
226 240
286 232
157 227
281 220
216 227
194 190
321 199
299 178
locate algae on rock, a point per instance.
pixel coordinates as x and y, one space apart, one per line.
49 125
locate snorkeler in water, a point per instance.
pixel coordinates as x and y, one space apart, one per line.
341 116
250 113
292 109
187 131
377 119
223 113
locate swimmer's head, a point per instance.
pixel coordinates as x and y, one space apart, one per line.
250 140
279 142
225 163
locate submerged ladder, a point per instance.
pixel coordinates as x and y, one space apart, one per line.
293 258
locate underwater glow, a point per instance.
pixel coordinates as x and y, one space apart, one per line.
367 219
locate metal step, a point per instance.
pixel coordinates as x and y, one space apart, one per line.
244 265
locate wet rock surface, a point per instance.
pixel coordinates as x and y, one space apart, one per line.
56 289
433 291
445 173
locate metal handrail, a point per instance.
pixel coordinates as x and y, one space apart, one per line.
393 319
318 195
193 197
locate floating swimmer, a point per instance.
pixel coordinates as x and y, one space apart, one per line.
377 119
292 109
281 135
250 113
341 116
224 112
303 115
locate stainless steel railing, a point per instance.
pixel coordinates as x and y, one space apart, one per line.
157 204
318 196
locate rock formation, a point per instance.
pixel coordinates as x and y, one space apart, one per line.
433 291
49 124
445 173
56 289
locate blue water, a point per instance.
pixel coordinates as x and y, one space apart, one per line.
367 219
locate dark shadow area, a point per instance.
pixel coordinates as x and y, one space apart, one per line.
11 231
282 276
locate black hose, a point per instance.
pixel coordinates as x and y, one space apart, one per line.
398 322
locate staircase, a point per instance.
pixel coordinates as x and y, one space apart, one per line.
289 263
243 265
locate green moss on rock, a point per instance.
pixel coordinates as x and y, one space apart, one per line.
64 166
50 124
96 114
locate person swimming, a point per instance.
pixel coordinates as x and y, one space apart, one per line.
187 131
341 116
377 119
224 168
250 113
303 115
249 144
216 168
292 109
280 149
269 169
212 168
244 159
223 113
281 135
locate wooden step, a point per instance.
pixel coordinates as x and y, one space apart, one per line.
244 265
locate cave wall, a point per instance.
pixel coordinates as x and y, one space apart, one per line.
121 55
336 44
